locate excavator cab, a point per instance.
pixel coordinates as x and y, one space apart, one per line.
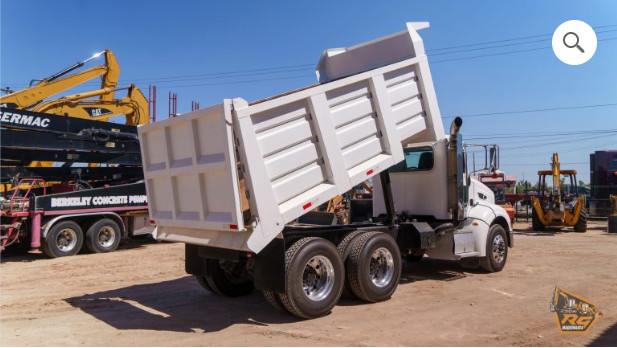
559 205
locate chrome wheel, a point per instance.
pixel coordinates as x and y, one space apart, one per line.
499 248
382 267
106 237
66 239
318 278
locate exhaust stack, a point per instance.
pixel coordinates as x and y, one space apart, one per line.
455 170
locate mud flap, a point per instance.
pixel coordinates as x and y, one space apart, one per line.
270 267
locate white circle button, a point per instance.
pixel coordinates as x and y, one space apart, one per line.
574 42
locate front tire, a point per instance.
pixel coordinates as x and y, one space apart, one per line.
103 236
496 250
581 224
314 276
64 239
374 267
536 224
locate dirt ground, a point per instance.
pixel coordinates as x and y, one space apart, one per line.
141 296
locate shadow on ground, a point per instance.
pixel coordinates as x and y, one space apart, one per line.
179 305
608 338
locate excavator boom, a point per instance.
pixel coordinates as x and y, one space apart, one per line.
134 106
57 83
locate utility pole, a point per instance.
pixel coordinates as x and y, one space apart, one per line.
152 101
173 105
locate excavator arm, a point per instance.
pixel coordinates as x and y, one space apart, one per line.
134 106
56 83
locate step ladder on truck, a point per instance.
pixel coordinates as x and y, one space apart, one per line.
230 181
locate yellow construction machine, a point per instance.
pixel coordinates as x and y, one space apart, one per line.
34 94
134 106
106 105
559 205
99 105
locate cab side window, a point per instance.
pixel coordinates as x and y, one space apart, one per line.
416 159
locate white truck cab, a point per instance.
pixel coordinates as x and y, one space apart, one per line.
433 185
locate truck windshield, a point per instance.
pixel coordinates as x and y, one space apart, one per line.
420 158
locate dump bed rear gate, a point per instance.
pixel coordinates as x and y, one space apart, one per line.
190 171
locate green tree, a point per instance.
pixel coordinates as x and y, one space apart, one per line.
524 184
581 183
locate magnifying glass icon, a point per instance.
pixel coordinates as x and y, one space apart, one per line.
575 43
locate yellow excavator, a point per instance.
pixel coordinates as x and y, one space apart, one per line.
561 205
100 105
134 106
35 93
33 98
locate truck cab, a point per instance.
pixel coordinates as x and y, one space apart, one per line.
433 185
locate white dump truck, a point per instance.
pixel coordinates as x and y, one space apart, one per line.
234 180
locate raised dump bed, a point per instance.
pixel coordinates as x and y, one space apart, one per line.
234 174
229 181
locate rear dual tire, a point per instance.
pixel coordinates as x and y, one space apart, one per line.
314 278
316 272
231 281
103 236
64 239
374 267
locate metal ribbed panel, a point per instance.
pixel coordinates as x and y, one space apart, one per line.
405 101
290 149
190 171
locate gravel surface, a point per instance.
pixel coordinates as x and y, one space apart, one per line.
141 296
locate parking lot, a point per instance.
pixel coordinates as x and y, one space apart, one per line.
140 295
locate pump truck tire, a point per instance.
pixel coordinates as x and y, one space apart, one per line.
274 299
228 279
64 239
314 275
581 223
344 249
374 267
496 250
103 236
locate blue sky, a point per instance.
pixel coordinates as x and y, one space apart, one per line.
180 45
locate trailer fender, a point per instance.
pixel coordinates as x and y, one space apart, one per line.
49 224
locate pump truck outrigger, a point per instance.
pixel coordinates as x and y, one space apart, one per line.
374 114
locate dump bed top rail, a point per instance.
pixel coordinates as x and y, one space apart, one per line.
295 151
